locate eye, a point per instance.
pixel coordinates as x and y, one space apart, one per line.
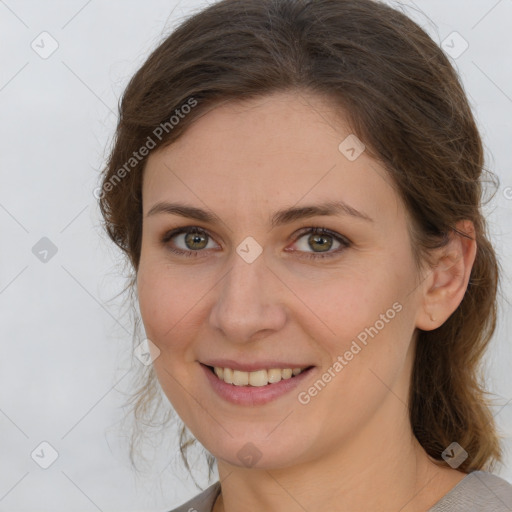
190 241
321 241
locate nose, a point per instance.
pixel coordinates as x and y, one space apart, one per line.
248 304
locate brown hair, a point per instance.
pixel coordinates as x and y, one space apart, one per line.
402 97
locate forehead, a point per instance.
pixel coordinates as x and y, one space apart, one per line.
268 152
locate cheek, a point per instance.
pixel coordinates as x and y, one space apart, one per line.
341 308
167 304
366 355
374 322
363 323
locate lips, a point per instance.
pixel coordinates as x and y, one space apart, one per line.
250 395
257 378
255 365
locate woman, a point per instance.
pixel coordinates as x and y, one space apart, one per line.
296 184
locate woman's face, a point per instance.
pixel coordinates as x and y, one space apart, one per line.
253 287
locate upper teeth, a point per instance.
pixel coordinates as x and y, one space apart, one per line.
257 378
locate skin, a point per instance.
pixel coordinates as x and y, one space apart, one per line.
351 447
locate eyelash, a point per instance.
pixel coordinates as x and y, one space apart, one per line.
305 231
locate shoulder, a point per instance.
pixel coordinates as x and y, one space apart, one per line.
203 502
479 491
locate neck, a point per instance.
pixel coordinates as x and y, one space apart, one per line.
412 483
379 467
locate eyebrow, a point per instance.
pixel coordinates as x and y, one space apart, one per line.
279 218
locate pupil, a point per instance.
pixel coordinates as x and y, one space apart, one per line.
321 240
195 238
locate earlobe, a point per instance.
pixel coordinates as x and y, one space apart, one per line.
446 284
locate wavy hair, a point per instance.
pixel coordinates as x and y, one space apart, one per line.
402 97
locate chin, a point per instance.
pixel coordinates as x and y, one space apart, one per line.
257 452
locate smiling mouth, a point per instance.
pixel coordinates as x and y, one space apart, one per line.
257 378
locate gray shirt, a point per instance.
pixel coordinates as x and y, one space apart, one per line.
479 491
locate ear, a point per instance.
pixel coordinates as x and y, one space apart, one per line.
445 285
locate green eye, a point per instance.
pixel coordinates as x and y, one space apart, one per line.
317 243
194 241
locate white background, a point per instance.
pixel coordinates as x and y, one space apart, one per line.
65 353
